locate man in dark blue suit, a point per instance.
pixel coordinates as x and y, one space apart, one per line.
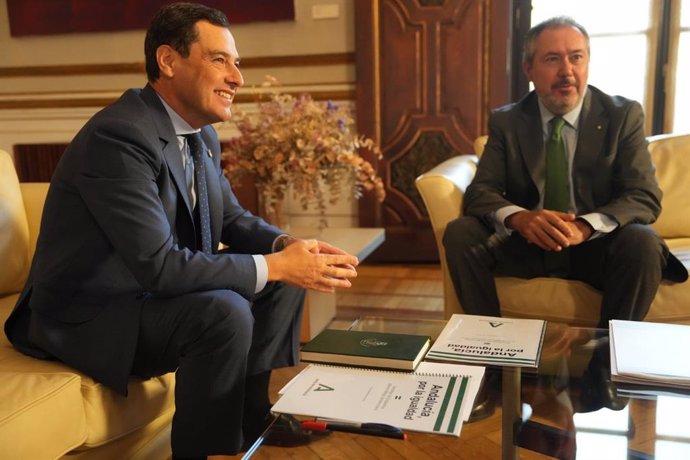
121 284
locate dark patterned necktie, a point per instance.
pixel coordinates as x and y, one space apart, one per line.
557 192
196 148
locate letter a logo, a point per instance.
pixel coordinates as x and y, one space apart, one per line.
323 387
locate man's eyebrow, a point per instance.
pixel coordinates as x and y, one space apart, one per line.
229 56
567 53
221 52
570 51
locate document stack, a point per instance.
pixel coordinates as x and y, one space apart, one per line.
650 353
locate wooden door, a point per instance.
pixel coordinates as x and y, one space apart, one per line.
428 72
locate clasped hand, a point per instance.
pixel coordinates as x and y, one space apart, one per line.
312 264
550 230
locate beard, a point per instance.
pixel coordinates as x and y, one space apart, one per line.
560 103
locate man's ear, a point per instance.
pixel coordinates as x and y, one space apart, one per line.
165 56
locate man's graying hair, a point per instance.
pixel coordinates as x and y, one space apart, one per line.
553 23
175 25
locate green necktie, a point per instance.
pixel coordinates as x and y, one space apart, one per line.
557 193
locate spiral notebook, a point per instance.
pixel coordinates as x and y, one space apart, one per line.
417 401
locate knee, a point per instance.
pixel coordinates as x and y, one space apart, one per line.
463 233
225 318
297 296
291 297
279 302
637 244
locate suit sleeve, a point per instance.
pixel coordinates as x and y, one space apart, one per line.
491 187
635 196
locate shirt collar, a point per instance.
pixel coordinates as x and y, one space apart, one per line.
571 117
181 126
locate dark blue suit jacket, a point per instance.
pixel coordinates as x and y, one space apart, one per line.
117 227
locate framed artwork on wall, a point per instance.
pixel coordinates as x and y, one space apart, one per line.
51 17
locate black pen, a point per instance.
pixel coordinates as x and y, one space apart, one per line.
373 429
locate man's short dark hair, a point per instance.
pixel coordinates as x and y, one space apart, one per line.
175 25
529 47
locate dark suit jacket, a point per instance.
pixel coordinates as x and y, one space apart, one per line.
612 169
117 227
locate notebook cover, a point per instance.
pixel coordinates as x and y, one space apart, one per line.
359 348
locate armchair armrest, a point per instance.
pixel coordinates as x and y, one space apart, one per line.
442 189
34 196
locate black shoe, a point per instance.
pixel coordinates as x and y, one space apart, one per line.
485 402
483 408
254 427
599 394
596 388
286 431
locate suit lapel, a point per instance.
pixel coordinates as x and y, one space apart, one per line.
592 129
170 146
531 140
173 158
590 138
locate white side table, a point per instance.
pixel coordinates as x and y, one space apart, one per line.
319 307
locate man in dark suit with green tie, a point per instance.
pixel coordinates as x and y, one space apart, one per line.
128 280
565 188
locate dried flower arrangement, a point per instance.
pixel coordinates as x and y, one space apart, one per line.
295 141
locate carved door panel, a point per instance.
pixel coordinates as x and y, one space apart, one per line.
428 71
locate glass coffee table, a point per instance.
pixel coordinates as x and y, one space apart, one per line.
566 408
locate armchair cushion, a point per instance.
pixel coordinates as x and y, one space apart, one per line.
41 414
